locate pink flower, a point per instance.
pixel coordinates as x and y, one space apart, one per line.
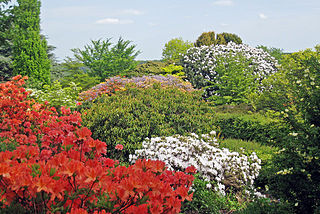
119 147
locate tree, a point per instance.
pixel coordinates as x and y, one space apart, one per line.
29 50
6 26
277 53
230 37
207 38
105 60
297 175
175 48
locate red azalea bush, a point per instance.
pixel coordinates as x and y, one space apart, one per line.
56 167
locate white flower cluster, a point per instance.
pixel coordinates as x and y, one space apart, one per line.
200 62
227 169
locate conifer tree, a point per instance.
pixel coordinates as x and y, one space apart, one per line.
29 50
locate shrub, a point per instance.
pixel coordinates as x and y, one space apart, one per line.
119 83
265 153
229 170
82 80
207 201
266 206
174 70
150 68
298 178
130 116
228 67
57 96
253 127
57 167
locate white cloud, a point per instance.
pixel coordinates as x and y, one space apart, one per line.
113 21
223 3
224 24
132 12
262 16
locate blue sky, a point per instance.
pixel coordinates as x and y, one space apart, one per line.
291 25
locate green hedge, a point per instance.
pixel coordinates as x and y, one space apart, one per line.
253 127
129 116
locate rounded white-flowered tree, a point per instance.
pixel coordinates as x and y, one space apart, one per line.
228 73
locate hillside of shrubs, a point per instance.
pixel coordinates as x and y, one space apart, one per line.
215 126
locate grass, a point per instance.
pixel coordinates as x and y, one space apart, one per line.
264 152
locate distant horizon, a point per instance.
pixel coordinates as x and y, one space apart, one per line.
290 25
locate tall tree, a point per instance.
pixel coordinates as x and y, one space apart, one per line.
175 48
230 37
206 38
6 26
107 60
29 50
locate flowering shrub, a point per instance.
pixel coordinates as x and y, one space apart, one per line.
57 167
241 67
56 95
136 113
227 169
119 83
297 176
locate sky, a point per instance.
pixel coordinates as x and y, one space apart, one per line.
291 25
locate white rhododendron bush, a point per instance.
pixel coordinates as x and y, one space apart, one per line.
230 70
227 169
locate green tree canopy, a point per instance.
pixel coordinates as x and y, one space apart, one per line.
210 38
175 48
206 38
106 60
230 37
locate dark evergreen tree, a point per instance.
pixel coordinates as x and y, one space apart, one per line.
6 25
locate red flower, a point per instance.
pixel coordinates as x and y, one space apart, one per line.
119 147
191 169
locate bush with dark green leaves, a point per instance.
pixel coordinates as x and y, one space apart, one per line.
206 200
297 177
150 68
130 116
255 127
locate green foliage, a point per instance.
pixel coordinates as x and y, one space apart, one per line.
235 81
298 177
129 116
206 38
229 37
266 206
82 80
6 26
174 70
207 200
209 38
73 71
265 153
277 53
151 68
175 48
29 51
105 60
57 96
253 127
